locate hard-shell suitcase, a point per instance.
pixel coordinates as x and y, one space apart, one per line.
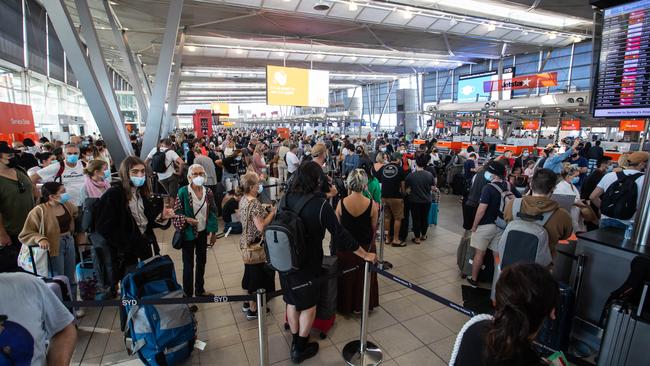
60 285
86 276
627 335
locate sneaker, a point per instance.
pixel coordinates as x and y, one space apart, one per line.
471 282
310 350
245 306
251 314
79 313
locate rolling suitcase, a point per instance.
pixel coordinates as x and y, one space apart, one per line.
86 276
627 335
465 259
60 285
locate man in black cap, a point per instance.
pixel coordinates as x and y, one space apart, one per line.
488 222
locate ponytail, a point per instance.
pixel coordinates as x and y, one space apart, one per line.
49 189
509 333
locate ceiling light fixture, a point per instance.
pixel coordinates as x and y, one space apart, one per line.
319 56
552 35
353 58
411 61
491 27
239 51
453 22
406 14
191 48
352 6
281 53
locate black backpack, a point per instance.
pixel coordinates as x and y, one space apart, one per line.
284 238
619 200
158 159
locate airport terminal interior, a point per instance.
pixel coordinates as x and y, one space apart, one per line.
324 182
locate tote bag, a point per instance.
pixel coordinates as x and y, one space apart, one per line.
38 263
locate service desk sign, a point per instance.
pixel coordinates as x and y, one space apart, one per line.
530 125
632 125
16 118
570 125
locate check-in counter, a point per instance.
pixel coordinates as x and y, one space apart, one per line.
456 146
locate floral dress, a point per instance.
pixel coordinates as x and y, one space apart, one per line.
256 276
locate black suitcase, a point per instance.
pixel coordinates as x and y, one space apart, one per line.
458 185
326 308
555 334
627 335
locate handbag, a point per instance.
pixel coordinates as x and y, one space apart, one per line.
177 239
254 253
32 258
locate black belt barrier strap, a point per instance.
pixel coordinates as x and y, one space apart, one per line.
161 301
424 292
316 281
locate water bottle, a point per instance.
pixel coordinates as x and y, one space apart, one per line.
628 231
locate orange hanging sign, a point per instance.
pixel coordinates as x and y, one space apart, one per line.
530 125
632 125
16 118
440 124
492 124
466 124
570 125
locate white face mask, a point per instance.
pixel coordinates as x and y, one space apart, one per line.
198 181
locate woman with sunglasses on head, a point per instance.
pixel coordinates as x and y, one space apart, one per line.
51 225
126 217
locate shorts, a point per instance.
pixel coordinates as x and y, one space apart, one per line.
303 298
486 236
393 208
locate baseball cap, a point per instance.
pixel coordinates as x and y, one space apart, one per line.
638 157
496 168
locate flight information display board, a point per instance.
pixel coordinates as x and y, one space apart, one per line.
623 81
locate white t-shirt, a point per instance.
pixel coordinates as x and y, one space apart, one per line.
292 162
72 179
611 177
30 324
170 158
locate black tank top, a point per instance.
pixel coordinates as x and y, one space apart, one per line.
360 227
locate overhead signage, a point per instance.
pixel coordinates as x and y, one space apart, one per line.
66 120
466 124
440 124
478 87
492 124
541 80
292 86
530 125
632 125
570 125
221 108
16 118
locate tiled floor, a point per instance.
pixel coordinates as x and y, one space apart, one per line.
409 328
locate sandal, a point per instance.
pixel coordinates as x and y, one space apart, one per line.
416 241
400 244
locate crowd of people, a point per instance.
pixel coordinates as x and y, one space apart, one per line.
64 197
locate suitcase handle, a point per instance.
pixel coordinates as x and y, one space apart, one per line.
644 294
31 256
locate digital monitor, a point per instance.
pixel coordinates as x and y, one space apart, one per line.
481 86
622 87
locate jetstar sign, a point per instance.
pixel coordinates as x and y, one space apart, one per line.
541 80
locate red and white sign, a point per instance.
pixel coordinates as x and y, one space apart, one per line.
530 125
570 125
203 122
632 125
492 124
16 118
466 124
545 79
440 124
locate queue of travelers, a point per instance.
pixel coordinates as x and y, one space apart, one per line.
47 189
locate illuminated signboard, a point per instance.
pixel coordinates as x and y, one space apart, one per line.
570 125
632 125
530 125
478 87
292 86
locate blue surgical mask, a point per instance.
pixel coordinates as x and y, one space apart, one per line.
610 168
525 155
238 158
107 174
65 197
488 176
575 180
72 158
260 188
138 181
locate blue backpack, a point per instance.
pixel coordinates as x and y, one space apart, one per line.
350 163
160 334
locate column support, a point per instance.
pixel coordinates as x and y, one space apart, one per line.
171 121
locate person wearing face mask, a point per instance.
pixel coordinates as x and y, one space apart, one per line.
125 216
51 225
102 152
70 173
583 167
17 195
97 179
485 232
292 160
569 177
196 217
254 218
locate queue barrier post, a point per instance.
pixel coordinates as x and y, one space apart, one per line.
262 332
382 235
361 352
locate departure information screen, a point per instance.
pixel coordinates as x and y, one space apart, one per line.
623 81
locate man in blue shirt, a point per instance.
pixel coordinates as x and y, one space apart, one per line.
554 160
582 164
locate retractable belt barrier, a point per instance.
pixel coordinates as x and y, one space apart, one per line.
203 299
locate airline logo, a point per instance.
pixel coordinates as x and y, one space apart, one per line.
542 80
